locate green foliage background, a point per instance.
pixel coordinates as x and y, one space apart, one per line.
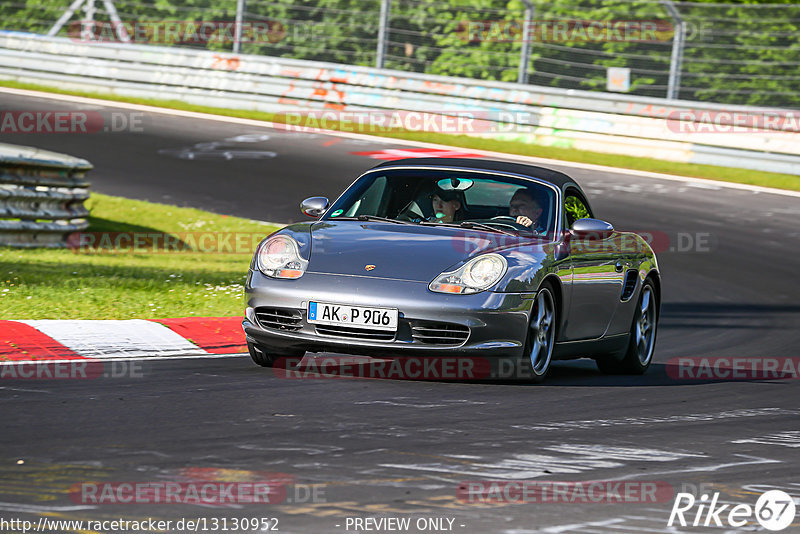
739 53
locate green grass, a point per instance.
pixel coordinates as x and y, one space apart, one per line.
743 176
143 284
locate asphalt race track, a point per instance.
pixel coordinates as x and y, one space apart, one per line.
384 448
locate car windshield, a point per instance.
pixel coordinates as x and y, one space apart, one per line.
485 201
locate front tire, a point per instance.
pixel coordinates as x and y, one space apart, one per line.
642 343
541 335
268 358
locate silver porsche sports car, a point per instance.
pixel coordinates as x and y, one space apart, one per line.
433 258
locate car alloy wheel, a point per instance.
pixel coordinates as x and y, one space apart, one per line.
642 339
541 333
645 326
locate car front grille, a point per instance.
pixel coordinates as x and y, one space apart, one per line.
351 332
432 333
279 318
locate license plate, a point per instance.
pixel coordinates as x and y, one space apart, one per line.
344 315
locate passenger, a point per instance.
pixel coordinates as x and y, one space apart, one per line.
525 207
447 206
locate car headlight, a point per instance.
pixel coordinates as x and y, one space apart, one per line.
279 257
476 275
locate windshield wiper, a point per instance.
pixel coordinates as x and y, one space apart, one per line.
464 224
488 228
469 224
374 218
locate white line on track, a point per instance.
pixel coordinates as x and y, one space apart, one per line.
378 139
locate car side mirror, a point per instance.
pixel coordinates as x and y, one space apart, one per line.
591 228
314 206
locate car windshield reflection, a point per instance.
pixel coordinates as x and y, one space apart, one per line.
486 202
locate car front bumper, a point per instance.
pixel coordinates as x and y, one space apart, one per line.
496 323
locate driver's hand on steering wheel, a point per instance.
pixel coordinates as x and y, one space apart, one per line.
524 221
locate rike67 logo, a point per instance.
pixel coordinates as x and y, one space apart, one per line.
774 510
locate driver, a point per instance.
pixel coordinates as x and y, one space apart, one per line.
525 207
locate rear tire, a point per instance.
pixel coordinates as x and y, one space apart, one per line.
642 340
269 358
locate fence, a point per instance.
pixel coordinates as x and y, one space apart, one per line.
741 54
41 196
589 121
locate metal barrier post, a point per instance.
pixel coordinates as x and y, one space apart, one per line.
87 25
676 58
383 30
525 51
241 5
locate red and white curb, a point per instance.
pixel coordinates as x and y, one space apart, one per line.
47 340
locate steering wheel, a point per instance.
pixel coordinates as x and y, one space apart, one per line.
512 222
409 213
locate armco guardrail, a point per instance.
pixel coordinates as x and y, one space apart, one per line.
41 196
601 122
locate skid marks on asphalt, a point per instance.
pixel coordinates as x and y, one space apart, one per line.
644 421
436 504
565 459
789 438
632 523
326 450
246 146
412 402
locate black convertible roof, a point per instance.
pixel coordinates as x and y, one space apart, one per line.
554 177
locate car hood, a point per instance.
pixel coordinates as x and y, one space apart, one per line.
398 251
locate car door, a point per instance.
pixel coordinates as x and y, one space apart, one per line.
596 275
